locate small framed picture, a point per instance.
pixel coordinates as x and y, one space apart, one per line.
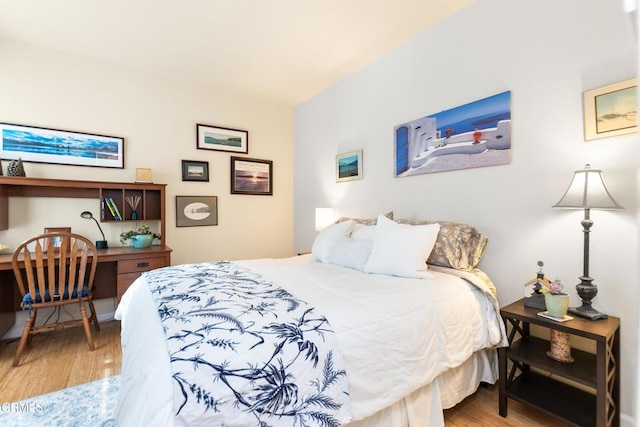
251 176
349 166
222 139
193 211
143 175
57 241
611 110
193 170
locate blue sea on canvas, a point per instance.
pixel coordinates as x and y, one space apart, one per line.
29 142
481 114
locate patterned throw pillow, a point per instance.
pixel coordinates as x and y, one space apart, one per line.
365 221
460 246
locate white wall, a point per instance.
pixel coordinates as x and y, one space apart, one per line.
157 118
547 53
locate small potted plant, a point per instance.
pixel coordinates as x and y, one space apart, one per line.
140 238
556 301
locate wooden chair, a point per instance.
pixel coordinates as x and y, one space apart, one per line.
54 269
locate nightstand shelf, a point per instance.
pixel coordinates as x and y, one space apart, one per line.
533 351
542 389
555 398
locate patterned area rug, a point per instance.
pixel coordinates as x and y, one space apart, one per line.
91 404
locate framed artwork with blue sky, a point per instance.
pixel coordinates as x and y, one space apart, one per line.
222 139
44 145
472 135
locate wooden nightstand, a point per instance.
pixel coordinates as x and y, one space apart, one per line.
598 372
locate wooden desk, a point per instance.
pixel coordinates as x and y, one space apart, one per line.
117 269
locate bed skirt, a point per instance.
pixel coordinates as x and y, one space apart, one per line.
424 407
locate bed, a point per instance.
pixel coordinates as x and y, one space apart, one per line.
361 332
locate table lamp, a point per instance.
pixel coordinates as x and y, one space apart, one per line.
587 191
100 244
324 218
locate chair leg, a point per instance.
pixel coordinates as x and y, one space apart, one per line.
34 318
94 317
87 327
26 335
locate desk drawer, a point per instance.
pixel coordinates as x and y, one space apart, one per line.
140 265
130 269
124 281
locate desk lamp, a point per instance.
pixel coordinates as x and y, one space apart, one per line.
587 191
100 244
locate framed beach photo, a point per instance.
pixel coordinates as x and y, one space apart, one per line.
611 110
222 139
349 166
194 211
251 176
44 145
193 170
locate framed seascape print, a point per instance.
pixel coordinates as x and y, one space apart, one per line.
251 176
193 170
57 241
222 139
193 211
611 110
43 145
349 166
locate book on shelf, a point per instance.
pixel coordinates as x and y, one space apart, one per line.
113 208
109 208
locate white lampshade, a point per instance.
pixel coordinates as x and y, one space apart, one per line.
587 190
324 218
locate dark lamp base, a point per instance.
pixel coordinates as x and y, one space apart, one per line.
587 312
101 244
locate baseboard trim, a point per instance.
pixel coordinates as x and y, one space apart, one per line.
627 421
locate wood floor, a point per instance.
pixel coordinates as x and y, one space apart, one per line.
62 359
59 360
481 409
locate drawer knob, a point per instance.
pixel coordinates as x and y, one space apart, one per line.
143 264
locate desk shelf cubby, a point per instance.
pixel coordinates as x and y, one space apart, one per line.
151 208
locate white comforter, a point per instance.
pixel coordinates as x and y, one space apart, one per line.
395 334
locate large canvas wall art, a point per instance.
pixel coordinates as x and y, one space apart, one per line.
469 136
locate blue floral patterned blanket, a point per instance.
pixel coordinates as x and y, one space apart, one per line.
245 352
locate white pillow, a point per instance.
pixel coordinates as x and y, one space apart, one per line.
401 250
363 232
351 253
321 249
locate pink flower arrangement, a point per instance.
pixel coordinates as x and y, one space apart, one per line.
554 288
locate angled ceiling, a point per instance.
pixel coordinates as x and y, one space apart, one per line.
284 51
